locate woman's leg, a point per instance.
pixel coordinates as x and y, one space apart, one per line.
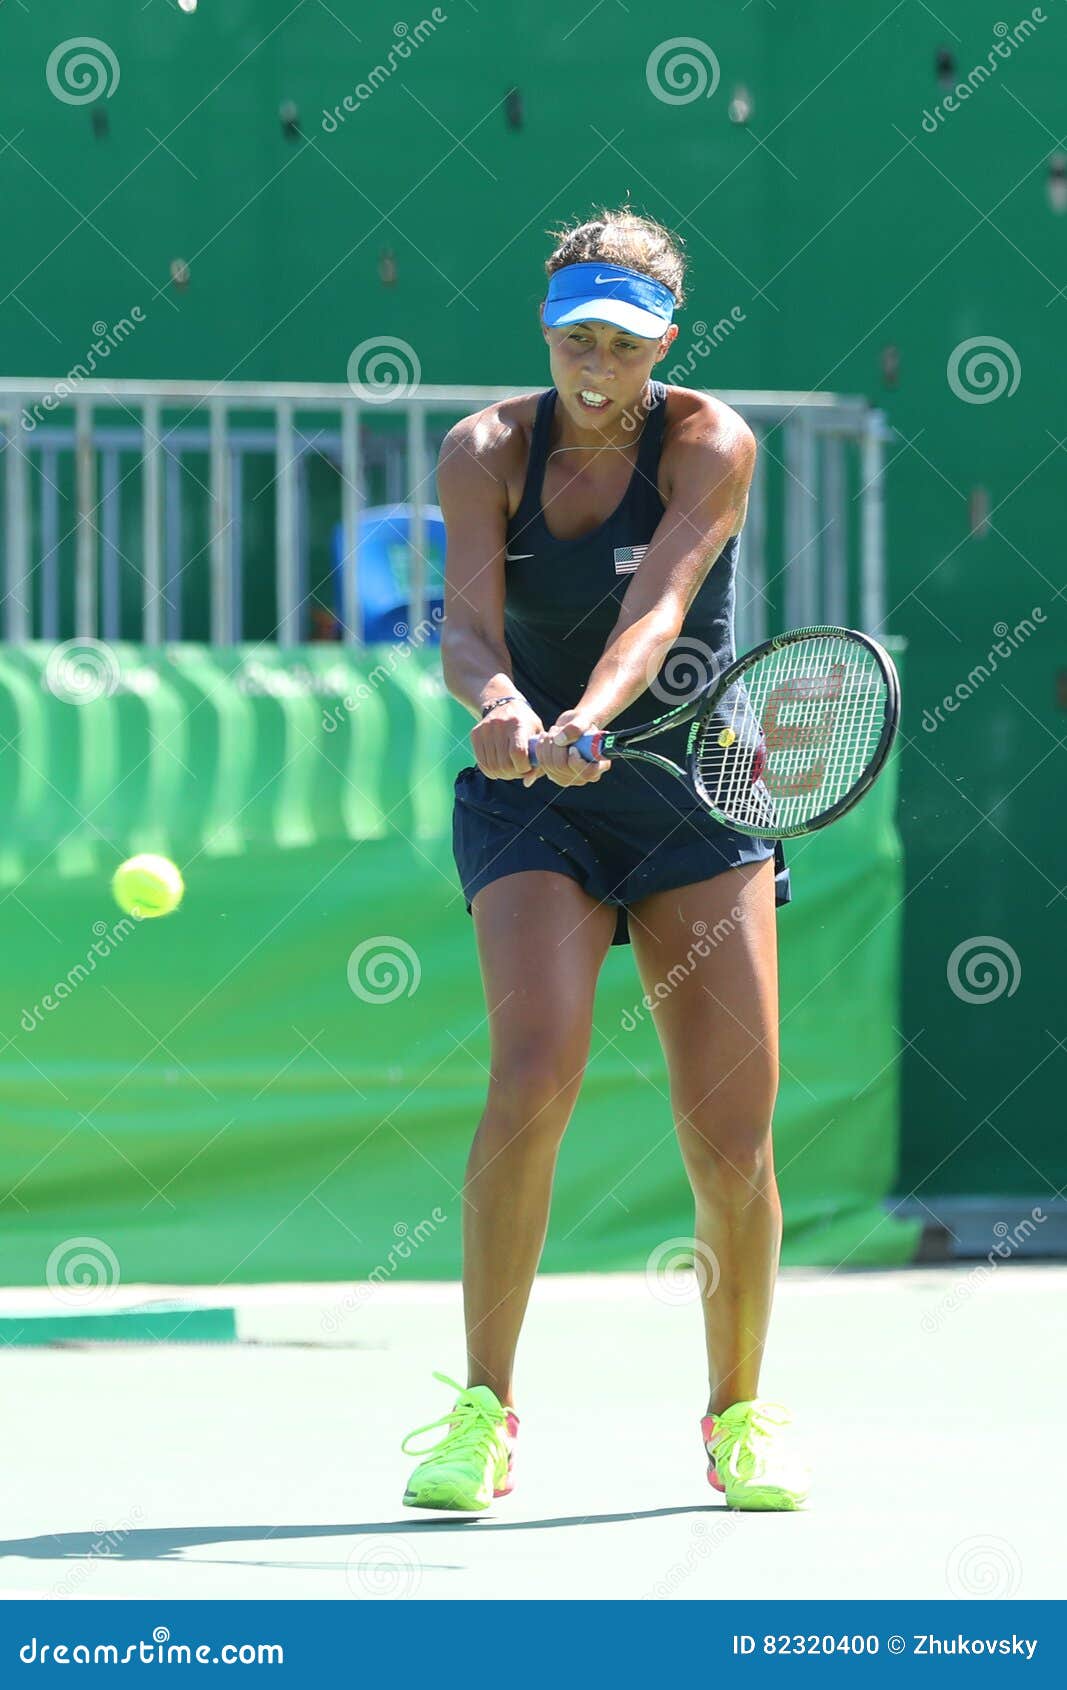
541 943
712 950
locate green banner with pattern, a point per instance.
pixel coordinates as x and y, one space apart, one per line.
280 1081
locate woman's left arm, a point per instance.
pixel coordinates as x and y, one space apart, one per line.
709 463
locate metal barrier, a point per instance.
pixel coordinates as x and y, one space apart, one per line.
813 548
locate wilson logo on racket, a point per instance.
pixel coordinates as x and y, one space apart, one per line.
627 558
783 731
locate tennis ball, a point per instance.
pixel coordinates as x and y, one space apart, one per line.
148 886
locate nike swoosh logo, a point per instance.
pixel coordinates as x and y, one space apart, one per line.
605 278
514 557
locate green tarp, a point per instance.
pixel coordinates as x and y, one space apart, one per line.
206 1097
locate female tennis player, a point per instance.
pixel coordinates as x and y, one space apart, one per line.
592 529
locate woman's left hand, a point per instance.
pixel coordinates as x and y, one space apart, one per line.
558 758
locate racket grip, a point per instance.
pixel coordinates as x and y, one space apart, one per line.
590 746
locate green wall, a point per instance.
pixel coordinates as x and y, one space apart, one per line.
251 1090
940 238
849 229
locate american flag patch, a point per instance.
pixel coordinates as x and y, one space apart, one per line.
627 558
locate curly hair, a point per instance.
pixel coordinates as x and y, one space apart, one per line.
626 238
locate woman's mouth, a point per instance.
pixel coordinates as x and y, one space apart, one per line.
590 400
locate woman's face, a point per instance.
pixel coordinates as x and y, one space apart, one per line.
600 371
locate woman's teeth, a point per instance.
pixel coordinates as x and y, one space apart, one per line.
596 401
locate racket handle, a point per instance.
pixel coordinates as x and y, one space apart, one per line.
590 746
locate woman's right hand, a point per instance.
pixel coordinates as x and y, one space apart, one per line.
499 742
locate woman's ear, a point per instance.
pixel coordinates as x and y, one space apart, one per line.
670 335
541 315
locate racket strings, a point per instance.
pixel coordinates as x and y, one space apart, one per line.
796 735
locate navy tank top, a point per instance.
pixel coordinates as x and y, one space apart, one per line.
562 601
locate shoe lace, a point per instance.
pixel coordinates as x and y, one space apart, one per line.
471 1427
747 1438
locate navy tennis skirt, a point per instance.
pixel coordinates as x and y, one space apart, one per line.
618 853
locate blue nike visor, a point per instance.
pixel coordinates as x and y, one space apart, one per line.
606 293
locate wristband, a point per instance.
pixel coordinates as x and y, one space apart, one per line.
507 698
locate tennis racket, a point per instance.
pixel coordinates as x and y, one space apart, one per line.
786 739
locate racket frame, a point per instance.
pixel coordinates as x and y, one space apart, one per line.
604 743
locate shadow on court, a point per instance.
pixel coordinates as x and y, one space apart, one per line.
161 1542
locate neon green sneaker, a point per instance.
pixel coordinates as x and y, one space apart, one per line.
751 1460
471 1464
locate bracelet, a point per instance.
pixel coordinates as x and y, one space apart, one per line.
507 698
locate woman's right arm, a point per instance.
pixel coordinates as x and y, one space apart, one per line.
477 665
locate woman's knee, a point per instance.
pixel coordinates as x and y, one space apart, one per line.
533 1087
723 1145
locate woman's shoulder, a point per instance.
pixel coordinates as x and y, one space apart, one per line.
496 438
706 444
693 416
